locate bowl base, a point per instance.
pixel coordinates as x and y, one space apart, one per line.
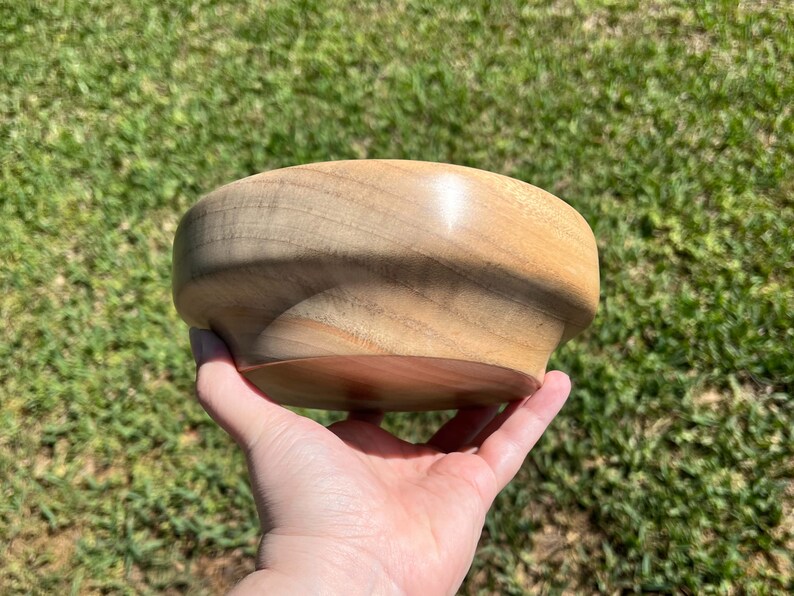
388 383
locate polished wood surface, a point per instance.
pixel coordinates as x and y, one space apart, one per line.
413 383
387 284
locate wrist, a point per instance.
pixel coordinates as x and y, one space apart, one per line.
329 571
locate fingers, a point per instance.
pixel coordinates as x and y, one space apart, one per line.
521 425
371 440
462 428
236 405
372 416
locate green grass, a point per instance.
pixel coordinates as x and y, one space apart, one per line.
668 125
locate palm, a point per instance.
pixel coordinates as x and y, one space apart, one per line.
412 501
357 491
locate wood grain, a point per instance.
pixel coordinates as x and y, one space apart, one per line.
456 284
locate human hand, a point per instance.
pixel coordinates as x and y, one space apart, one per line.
352 509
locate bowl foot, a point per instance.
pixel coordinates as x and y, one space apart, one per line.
388 383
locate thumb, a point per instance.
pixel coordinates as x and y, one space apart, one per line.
234 403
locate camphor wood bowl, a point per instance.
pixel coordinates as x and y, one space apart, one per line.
386 284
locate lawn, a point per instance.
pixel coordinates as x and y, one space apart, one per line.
668 125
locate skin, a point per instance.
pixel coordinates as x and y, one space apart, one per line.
351 509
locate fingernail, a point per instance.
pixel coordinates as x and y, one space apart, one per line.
197 344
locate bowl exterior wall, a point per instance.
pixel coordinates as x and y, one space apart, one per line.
386 258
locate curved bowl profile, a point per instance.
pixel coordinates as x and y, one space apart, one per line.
386 284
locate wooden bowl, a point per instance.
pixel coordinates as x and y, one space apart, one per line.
385 284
